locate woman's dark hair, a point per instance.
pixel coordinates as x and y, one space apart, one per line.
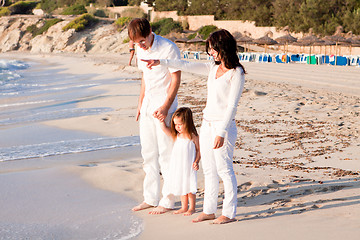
225 44
185 114
139 27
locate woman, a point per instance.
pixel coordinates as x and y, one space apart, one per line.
226 78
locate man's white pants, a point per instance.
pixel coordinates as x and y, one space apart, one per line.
218 163
156 149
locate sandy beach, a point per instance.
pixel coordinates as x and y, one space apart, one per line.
297 156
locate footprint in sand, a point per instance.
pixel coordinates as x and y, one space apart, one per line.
279 202
244 186
254 92
299 211
258 93
88 165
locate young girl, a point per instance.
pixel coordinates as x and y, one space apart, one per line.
184 161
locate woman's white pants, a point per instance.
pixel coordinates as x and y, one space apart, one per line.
156 149
218 163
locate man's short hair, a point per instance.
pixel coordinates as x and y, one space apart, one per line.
139 27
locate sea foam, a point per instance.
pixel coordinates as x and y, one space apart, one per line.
65 147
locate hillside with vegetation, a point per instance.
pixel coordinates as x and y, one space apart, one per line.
322 16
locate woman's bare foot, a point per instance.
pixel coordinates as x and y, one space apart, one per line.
159 210
181 210
189 212
141 206
222 220
203 217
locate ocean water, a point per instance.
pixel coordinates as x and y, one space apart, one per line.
31 93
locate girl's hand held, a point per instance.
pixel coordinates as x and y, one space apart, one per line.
195 166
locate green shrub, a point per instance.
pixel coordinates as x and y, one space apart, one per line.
51 5
126 40
37 31
76 9
103 13
7 3
134 2
122 21
135 12
206 30
32 29
22 7
4 11
191 36
100 13
81 22
85 2
165 26
120 2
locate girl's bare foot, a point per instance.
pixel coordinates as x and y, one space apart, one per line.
141 206
204 217
181 210
189 212
222 220
159 210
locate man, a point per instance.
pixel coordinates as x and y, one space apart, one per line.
157 102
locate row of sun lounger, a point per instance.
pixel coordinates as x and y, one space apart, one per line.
317 59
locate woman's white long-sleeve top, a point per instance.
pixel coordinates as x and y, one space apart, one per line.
223 93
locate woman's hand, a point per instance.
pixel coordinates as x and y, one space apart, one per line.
219 142
151 62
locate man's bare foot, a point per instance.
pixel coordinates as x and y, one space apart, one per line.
141 206
189 212
203 217
222 220
181 210
159 210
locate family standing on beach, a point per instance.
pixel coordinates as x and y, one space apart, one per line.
170 145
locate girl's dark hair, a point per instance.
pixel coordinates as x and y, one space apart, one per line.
139 27
185 114
225 44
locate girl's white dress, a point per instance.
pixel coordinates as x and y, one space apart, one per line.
182 175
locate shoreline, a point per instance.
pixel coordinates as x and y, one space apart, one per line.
296 158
